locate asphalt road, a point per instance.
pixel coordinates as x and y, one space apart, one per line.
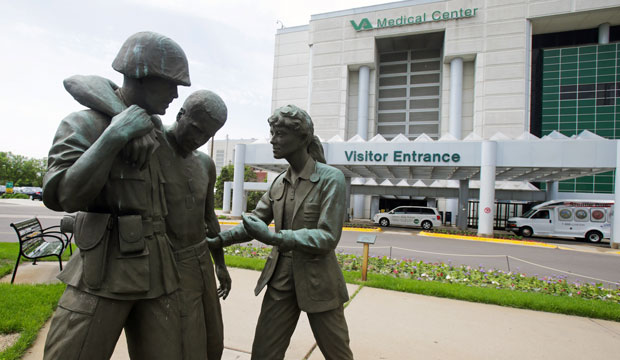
576 260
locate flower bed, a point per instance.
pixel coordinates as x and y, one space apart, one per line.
467 275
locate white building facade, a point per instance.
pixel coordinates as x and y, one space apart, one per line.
463 68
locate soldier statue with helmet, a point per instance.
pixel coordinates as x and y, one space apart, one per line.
124 276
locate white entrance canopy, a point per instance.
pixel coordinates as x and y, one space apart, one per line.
526 158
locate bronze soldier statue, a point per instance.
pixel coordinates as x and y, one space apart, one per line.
124 276
307 204
190 180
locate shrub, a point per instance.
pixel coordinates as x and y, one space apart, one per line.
15 196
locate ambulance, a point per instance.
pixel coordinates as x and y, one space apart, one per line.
581 219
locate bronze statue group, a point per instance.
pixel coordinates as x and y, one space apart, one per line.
150 242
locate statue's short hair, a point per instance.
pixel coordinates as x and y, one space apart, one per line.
294 118
208 102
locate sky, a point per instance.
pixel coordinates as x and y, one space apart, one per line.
229 45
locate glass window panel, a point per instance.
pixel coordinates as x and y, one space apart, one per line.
392 117
424 79
429 129
425 91
425 54
391 129
393 105
393 69
392 93
393 80
424 104
425 66
399 56
424 116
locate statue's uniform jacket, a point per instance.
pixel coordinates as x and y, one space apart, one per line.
314 233
102 269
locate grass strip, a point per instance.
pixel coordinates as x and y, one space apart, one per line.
503 297
24 309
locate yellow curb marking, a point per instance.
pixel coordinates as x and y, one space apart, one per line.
345 228
476 238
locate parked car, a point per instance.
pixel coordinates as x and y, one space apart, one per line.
37 195
414 216
2 189
34 192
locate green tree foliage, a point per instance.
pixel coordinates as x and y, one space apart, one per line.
21 170
227 174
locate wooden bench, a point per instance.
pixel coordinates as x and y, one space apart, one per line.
36 242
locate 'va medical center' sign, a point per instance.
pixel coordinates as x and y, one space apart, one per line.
403 20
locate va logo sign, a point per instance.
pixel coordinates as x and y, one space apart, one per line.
363 25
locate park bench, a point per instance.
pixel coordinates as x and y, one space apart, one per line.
36 242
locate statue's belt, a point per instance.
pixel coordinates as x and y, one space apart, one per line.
151 227
195 250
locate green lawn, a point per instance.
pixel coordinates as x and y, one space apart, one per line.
24 308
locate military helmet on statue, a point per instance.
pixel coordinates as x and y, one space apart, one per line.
150 54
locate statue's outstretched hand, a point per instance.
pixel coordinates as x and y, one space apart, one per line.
257 229
225 281
214 243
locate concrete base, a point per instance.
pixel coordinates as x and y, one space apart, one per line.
615 245
44 272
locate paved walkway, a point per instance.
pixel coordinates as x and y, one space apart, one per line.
392 325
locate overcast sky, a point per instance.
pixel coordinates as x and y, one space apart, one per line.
229 44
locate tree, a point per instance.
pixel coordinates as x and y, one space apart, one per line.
21 170
227 174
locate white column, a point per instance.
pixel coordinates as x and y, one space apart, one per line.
456 97
226 196
374 205
237 206
615 225
347 199
552 190
487 188
359 201
603 33
362 102
461 219
311 50
455 116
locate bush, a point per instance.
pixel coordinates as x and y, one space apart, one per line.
15 196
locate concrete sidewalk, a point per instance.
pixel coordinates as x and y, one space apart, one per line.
393 325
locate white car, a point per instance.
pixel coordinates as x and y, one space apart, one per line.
418 216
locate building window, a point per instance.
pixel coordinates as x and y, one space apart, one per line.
580 91
219 158
409 93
